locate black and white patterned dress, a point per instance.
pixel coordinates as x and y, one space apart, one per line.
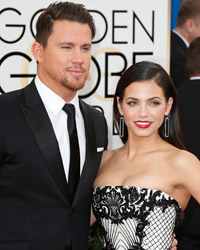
134 218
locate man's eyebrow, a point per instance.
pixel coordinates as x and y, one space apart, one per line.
72 44
66 43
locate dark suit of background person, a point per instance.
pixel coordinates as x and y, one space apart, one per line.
186 30
178 70
36 212
189 99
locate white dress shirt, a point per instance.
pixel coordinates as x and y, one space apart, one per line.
58 117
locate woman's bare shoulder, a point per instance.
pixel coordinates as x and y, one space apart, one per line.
184 158
107 155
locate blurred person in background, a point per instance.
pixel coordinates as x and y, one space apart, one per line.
189 98
186 30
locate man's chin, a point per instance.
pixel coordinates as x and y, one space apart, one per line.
74 86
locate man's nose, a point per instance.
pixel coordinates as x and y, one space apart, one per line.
77 56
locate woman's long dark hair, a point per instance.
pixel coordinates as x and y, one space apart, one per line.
143 71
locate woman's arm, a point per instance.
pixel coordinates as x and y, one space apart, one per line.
188 173
92 218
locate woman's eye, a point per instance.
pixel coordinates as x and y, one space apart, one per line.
132 103
154 103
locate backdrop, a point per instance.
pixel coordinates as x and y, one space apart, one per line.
128 31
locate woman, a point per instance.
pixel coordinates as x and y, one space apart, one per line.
142 187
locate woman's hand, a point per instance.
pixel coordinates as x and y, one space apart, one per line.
174 243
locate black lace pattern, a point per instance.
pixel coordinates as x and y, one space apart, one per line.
133 218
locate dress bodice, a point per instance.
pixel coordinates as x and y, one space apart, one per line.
134 218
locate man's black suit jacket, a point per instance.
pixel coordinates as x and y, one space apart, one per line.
189 99
35 212
178 69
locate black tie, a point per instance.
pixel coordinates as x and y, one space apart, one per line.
74 166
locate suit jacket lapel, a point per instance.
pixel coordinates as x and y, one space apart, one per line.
41 127
91 151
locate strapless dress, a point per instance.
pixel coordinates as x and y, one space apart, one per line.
134 218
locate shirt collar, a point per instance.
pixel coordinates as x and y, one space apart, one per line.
184 40
53 101
195 78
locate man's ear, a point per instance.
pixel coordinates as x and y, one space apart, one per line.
189 25
37 51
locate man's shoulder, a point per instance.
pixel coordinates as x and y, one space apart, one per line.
177 43
92 110
94 115
16 96
11 96
10 102
189 85
176 38
190 91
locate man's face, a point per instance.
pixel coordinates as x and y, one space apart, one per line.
65 60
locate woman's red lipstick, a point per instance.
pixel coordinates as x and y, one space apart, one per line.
143 124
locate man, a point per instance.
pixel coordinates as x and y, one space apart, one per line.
187 29
189 95
36 209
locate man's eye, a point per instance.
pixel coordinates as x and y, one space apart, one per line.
66 47
85 49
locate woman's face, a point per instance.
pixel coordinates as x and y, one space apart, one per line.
144 107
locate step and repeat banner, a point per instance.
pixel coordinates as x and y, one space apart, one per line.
128 31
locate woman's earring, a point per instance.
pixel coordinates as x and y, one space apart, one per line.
121 126
166 126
